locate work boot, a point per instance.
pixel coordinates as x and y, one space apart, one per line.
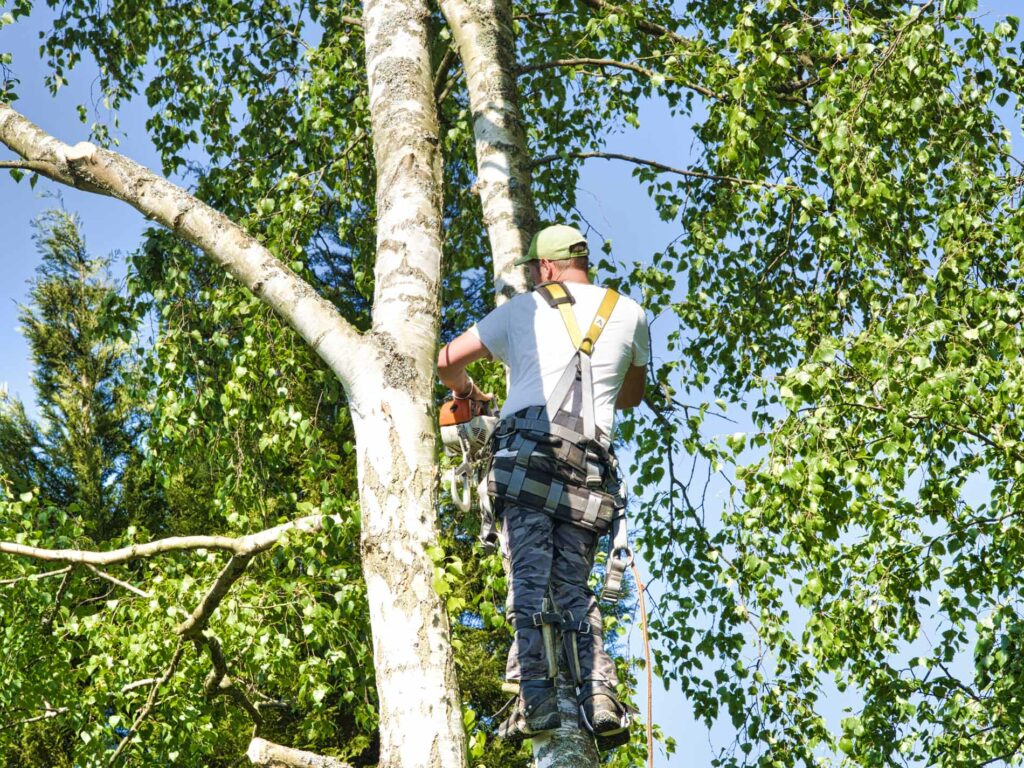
602 714
535 713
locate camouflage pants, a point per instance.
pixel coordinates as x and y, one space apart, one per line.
541 554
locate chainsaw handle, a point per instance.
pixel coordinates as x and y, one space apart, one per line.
460 487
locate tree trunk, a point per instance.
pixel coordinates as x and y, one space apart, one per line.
483 32
420 708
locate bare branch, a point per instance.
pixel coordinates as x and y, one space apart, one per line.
100 171
134 552
29 165
34 576
114 580
269 755
353 21
196 623
47 714
662 167
150 702
243 545
140 684
441 76
611 63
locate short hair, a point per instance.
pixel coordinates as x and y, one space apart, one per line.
578 262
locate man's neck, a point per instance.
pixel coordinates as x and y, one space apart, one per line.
573 276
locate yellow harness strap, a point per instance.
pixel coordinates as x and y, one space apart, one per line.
557 296
561 299
600 321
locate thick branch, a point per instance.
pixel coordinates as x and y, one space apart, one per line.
220 682
233 571
87 167
269 755
486 42
663 167
243 545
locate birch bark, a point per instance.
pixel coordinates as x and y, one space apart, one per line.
483 32
420 708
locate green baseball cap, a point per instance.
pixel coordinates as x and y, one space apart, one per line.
556 243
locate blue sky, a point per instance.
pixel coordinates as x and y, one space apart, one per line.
609 198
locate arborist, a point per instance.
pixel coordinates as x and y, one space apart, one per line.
553 476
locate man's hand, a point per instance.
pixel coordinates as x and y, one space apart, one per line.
472 392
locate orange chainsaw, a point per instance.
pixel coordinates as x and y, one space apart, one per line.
466 429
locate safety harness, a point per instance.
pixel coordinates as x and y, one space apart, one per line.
560 462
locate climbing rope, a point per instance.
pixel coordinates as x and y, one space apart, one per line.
640 589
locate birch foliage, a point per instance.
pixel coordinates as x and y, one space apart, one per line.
843 283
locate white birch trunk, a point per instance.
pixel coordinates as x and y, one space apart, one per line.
420 708
483 32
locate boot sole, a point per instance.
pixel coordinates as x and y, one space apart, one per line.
612 739
545 727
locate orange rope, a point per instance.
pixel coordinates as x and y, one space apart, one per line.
640 589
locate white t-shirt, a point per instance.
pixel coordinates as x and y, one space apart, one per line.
529 336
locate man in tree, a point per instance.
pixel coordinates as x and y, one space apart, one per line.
553 476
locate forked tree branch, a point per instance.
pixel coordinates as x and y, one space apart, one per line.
100 171
219 682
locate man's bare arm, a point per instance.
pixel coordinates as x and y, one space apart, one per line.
632 392
452 362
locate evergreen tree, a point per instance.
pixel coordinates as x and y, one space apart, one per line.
76 326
